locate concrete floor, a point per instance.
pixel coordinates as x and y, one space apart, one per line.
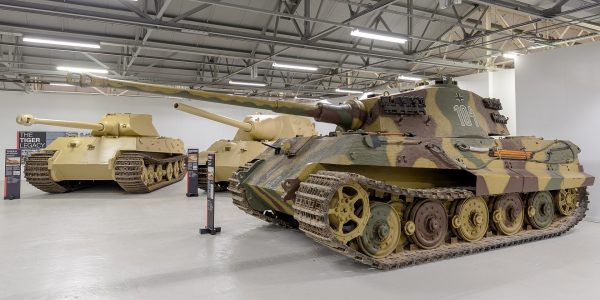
102 244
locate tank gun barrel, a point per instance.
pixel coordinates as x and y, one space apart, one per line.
28 120
350 115
211 116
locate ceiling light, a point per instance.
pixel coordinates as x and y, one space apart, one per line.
289 66
510 55
246 83
348 91
60 84
61 43
377 36
409 78
82 70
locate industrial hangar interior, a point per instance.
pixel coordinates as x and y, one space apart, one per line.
324 149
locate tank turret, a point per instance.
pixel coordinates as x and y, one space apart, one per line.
247 144
258 127
438 110
112 124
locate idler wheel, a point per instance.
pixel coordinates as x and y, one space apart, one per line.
430 222
508 214
471 219
382 232
566 201
540 211
349 211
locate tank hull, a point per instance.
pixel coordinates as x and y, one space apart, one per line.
92 158
70 163
392 201
416 163
229 156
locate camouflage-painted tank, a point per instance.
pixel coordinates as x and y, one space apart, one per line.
249 141
123 147
415 177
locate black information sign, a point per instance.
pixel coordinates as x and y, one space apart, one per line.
192 173
33 141
210 197
12 174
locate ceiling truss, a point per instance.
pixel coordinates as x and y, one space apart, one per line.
461 39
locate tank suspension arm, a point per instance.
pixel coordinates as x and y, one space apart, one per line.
28 120
217 118
349 115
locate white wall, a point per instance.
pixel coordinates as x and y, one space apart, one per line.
194 131
559 98
499 84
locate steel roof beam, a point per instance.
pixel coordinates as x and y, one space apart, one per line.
169 48
158 24
541 14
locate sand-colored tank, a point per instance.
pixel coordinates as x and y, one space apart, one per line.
414 177
255 131
123 147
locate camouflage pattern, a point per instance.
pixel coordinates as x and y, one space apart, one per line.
439 156
94 158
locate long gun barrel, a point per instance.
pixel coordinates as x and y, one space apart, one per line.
350 115
211 116
28 120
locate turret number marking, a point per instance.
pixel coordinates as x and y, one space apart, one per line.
465 114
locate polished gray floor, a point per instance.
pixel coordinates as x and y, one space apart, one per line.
103 244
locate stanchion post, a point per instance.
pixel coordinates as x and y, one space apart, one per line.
12 174
210 197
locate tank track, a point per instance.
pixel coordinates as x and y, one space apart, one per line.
312 204
128 168
38 175
238 196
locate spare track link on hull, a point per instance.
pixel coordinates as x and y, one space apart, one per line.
38 175
312 204
238 195
128 169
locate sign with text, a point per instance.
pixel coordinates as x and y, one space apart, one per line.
12 174
33 141
192 173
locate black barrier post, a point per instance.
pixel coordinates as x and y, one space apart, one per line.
12 174
210 197
192 173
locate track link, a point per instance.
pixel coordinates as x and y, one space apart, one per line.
38 175
128 171
311 211
238 195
